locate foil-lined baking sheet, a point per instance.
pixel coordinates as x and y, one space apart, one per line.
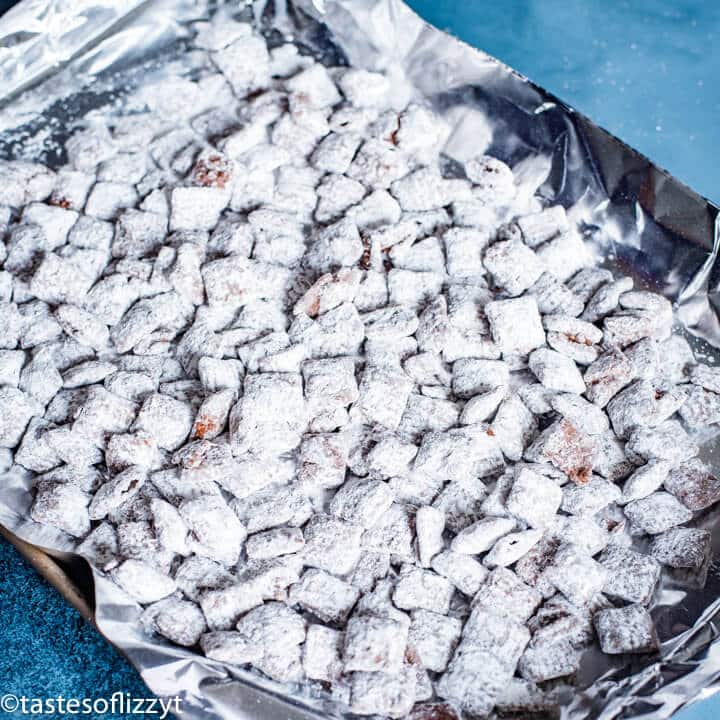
62 62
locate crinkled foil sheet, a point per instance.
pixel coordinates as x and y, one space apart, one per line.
60 60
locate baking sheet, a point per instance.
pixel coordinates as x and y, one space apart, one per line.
95 56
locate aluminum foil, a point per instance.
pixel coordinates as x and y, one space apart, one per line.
62 60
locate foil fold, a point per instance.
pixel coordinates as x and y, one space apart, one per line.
81 57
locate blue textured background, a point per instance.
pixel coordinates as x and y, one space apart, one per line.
646 70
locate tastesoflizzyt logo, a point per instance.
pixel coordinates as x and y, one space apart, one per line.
118 703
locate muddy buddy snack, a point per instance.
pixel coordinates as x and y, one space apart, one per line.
335 410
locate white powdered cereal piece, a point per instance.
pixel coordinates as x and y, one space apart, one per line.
54 221
464 572
245 64
107 200
513 266
124 450
634 406
705 376
273 543
576 575
25 182
117 491
382 396
701 407
645 480
542 226
482 535
534 499
228 646
331 544
362 501
83 326
414 289
271 415
374 644
392 695
328 292
590 497
216 531
62 505
463 251
606 299
323 460
170 528
168 420
586 416
58 281
212 415
88 148
515 324
88 373
510 548
40 378
433 637
494 180
625 630
472 376
514 427
556 372
391 322
587 282
143 582
631 576
321 653
419 589
337 332
505 594
196 208
564 255
429 526
336 193
180 621
324 595
426 189
552 296
216 374
378 164
272 506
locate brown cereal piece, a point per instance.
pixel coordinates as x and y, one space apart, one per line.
628 629
464 572
534 499
273 543
567 448
576 575
117 491
473 375
433 638
694 485
513 266
514 426
682 548
656 513
515 324
392 533
215 530
668 441
391 695
645 480
62 505
631 576
100 546
180 621
422 589
331 544
142 581
271 415
459 454
321 653
325 596
606 298
701 408
533 568
634 406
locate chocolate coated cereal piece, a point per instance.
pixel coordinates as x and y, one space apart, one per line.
694 485
419 589
324 595
656 513
433 637
576 575
62 505
464 572
515 324
681 547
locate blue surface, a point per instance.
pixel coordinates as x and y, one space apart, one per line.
645 70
